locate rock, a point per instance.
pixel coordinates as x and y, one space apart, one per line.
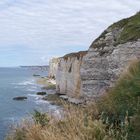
68 73
36 75
57 100
51 97
72 100
59 94
20 98
54 99
75 101
41 93
64 97
53 67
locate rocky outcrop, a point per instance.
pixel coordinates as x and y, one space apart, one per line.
53 67
68 74
109 55
66 71
101 70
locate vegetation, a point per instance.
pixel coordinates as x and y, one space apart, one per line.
47 85
129 31
40 118
78 55
116 116
124 97
54 99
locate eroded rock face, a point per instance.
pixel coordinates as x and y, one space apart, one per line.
53 67
102 66
68 79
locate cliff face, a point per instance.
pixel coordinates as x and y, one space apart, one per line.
68 79
109 55
53 67
91 73
102 67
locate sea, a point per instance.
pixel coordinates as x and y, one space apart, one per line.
16 82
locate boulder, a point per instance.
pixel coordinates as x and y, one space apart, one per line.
20 98
41 93
75 101
36 75
64 97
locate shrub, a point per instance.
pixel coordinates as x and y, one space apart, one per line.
40 118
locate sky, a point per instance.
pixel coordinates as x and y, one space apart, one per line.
34 31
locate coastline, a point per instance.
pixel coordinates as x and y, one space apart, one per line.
49 85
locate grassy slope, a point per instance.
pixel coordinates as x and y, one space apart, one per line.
115 117
130 31
124 98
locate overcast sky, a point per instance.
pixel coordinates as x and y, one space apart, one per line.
33 31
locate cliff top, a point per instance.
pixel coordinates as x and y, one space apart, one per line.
77 54
125 30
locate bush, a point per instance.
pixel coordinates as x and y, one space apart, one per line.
40 118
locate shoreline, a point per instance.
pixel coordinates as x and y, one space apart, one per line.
49 85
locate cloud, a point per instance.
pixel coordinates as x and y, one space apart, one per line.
54 27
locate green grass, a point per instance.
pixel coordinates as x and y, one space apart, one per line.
47 85
125 95
40 118
125 98
54 99
131 29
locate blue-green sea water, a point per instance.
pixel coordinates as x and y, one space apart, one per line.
19 82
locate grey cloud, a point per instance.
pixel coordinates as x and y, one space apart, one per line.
49 24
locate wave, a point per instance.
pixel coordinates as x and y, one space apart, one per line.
33 88
35 96
40 101
29 85
27 82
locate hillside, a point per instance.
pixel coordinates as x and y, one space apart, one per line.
126 30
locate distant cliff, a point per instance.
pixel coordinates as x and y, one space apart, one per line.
53 67
66 71
91 73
